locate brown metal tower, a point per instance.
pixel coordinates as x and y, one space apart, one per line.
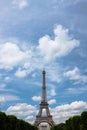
44 106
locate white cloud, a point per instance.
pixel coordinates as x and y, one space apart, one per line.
2 86
61 46
52 101
52 92
28 59
2 99
30 119
21 4
5 98
7 79
68 3
54 72
0 75
63 112
21 109
60 113
75 75
36 98
11 55
20 73
77 90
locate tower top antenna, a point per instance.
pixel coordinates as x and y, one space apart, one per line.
43 72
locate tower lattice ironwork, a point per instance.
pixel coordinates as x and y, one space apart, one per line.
44 106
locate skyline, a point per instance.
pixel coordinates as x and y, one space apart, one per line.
43 34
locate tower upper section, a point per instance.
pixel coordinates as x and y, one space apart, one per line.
44 97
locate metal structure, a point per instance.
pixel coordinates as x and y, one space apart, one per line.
44 106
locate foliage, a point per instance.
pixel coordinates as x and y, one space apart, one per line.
10 122
73 123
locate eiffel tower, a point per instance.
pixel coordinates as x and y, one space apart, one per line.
44 105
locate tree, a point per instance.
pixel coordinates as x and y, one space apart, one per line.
2 121
76 123
10 122
61 126
69 124
83 121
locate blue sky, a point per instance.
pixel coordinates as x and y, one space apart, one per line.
37 34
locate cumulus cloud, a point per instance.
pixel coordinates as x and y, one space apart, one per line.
52 92
21 4
7 79
26 61
75 75
2 99
0 75
63 112
52 101
21 109
20 73
30 119
54 72
60 46
36 98
77 90
60 113
2 86
5 98
11 55
68 3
